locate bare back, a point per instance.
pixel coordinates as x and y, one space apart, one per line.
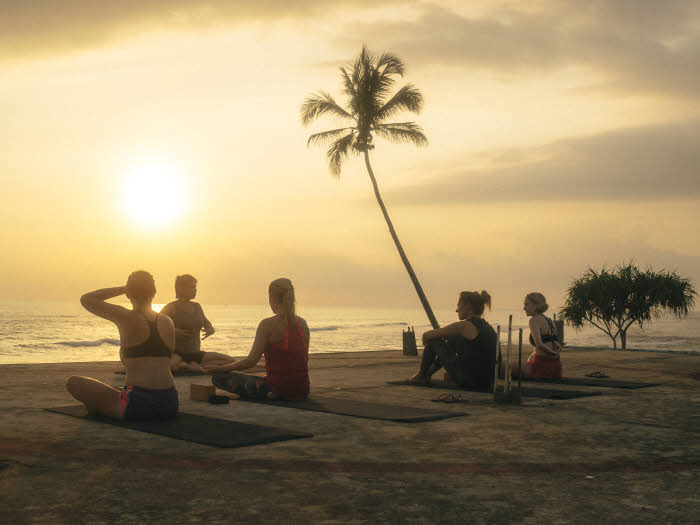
149 371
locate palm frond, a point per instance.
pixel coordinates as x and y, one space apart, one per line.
408 98
390 64
338 152
320 104
407 132
350 90
381 76
323 136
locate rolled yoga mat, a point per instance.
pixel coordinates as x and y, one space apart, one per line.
195 428
354 408
544 393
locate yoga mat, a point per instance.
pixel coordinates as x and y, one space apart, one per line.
543 393
184 373
354 408
590 381
196 428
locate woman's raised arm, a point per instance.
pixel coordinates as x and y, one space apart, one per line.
96 303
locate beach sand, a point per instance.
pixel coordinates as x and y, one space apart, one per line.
627 456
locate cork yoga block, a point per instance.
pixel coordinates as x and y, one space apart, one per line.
201 392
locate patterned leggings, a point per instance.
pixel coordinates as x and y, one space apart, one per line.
245 385
442 354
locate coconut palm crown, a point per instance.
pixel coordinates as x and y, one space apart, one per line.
367 85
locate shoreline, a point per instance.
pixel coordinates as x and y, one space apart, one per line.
399 352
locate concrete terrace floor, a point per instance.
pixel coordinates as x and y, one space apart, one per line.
628 456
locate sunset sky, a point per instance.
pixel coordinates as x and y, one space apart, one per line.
562 135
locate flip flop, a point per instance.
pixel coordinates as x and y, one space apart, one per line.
598 374
448 398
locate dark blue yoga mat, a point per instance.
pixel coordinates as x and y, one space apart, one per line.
354 408
592 381
194 427
543 393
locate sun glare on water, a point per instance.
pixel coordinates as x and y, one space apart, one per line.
154 195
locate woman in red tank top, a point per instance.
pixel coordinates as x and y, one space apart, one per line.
284 341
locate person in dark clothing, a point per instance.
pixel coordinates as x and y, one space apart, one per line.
466 349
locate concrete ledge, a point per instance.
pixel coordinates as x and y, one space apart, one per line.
629 456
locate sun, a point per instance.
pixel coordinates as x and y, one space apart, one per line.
154 195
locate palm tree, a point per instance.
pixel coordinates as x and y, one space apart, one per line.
367 85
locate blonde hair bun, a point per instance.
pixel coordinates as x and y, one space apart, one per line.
539 301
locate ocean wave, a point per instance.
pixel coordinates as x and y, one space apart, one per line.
34 346
333 328
325 329
98 342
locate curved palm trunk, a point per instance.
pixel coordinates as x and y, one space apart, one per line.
409 269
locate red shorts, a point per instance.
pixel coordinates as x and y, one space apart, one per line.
542 367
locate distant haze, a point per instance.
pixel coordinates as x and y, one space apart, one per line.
563 135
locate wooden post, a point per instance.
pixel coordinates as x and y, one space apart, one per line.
496 363
559 325
508 371
409 342
520 357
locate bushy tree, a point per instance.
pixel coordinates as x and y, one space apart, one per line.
613 300
367 84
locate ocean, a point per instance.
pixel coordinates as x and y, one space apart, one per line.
52 332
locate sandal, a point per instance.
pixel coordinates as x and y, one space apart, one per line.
598 374
448 398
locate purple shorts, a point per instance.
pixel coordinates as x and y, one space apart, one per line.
143 403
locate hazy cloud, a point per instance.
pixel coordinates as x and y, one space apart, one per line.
41 27
657 162
639 44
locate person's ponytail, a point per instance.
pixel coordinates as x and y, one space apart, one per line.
282 292
485 299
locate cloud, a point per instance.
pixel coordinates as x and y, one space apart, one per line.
45 27
649 163
638 44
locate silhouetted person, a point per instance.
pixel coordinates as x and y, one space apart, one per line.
189 320
544 362
466 349
147 341
284 340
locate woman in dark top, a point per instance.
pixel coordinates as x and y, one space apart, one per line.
284 341
466 349
189 320
544 362
147 342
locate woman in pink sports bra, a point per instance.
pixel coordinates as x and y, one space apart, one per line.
284 341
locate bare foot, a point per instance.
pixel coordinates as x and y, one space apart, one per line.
417 379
